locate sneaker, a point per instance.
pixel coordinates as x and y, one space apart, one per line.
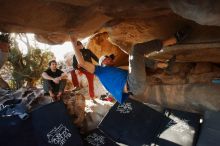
183 33
102 97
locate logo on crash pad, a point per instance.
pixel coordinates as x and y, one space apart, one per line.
124 108
59 135
95 139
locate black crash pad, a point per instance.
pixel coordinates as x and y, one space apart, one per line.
132 123
210 130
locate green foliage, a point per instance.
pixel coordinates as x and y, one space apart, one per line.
28 67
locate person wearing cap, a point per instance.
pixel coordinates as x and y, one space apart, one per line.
88 55
54 81
4 50
107 60
122 83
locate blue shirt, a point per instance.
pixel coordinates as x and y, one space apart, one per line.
114 80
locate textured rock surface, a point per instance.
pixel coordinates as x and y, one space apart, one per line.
126 21
202 12
100 45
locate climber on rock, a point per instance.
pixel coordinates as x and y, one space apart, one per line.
88 55
122 83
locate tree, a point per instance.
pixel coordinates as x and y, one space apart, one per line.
27 67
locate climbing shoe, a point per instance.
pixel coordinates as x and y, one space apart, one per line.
170 63
183 33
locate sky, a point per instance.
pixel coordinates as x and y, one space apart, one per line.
58 50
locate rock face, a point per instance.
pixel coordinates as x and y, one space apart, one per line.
124 23
202 12
100 45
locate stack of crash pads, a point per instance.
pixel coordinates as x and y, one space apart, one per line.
49 125
136 124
